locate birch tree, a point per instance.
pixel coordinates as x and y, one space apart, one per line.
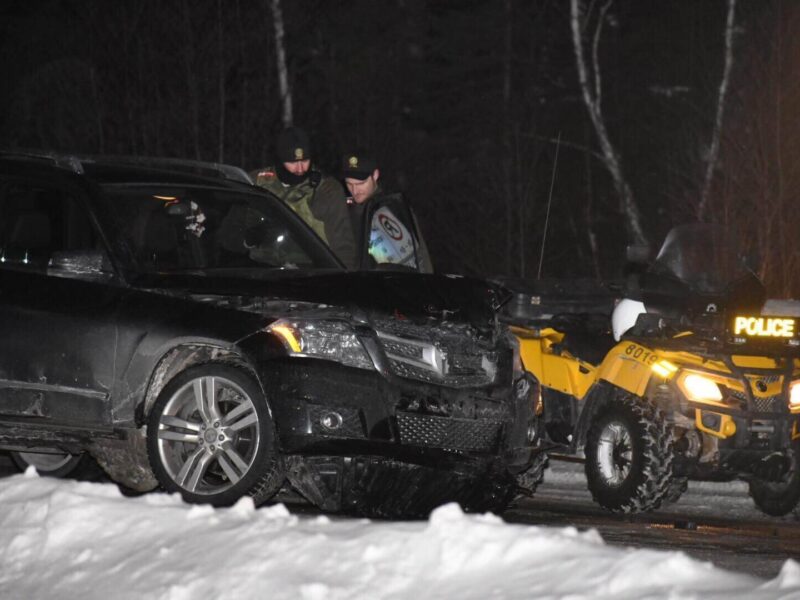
592 92
280 57
713 153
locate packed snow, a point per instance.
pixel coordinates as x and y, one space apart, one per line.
68 539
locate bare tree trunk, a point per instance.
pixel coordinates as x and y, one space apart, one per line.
589 218
713 152
508 190
283 71
191 82
592 97
221 84
101 138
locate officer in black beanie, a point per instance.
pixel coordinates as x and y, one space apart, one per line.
317 198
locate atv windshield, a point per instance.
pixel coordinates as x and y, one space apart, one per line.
708 258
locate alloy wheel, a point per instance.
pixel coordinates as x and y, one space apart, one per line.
208 435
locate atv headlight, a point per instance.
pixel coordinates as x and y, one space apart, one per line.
699 388
331 340
794 395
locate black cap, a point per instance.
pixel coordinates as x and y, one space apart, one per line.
358 165
292 145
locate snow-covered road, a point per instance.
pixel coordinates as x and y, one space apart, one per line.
64 539
717 522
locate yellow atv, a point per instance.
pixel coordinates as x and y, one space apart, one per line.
683 372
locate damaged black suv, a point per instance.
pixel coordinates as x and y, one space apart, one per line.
144 327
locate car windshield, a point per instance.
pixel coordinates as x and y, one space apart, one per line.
169 228
706 257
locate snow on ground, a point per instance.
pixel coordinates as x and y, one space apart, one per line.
66 539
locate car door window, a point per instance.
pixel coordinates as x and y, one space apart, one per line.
390 235
47 230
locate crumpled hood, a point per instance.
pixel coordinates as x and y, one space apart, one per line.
399 294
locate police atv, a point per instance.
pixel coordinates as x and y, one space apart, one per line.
691 375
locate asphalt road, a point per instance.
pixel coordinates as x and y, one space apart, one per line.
714 522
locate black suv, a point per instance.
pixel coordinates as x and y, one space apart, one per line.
144 326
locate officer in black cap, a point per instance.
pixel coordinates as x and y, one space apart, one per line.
317 198
384 226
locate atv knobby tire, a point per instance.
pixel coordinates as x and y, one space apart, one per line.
629 456
387 489
676 489
529 480
779 498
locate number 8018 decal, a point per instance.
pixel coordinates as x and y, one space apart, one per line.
641 354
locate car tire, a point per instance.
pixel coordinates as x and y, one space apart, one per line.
210 437
779 498
629 456
61 465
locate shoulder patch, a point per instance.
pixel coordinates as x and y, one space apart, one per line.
266 174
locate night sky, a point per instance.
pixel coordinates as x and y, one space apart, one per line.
461 101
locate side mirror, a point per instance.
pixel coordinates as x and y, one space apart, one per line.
638 254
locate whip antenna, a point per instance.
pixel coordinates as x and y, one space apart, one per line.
549 202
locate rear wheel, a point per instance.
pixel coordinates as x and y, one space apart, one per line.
63 465
781 497
629 456
210 436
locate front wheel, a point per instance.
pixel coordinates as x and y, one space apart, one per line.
210 436
782 497
629 456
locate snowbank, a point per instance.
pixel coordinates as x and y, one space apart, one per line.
63 539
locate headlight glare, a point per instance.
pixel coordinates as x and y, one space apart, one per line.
330 340
700 388
794 395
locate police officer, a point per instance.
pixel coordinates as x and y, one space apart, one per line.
318 199
394 235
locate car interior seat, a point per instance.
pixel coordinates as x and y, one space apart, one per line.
156 239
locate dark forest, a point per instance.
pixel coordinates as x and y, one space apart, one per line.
472 107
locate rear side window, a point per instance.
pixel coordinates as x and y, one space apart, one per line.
41 226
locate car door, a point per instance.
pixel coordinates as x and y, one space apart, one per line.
391 236
57 307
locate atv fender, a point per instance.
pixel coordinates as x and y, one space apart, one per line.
594 401
628 365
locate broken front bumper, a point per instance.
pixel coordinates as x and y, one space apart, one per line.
322 408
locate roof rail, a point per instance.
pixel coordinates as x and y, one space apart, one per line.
65 161
75 163
178 164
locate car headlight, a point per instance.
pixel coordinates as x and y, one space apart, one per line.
699 388
794 395
330 340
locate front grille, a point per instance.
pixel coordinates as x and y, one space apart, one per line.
448 433
446 353
771 404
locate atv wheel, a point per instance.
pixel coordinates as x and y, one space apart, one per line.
529 480
210 437
629 456
63 465
782 497
676 489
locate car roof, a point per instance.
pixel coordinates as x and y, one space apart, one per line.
133 169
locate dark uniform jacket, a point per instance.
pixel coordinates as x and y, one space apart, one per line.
321 206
